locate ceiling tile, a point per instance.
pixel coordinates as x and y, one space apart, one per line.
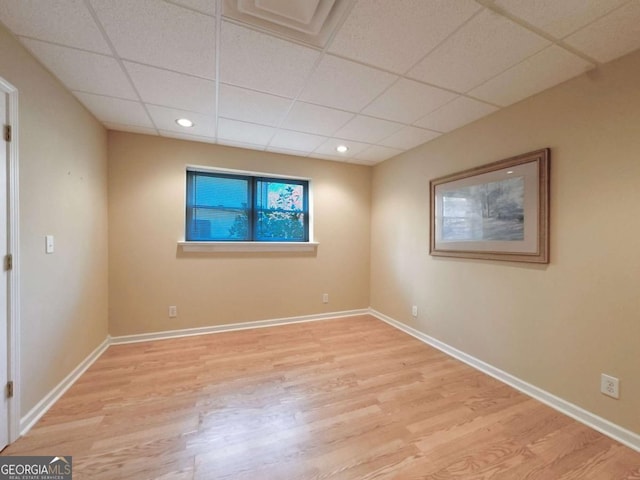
459 112
409 137
62 21
407 100
160 34
262 62
129 128
368 163
115 110
251 106
305 117
204 6
84 71
612 36
558 18
329 148
165 119
303 142
170 89
244 132
487 45
367 129
321 156
393 36
543 70
182 136
345 85
287 151
236 144
376 153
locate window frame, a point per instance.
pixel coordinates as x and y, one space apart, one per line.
249 245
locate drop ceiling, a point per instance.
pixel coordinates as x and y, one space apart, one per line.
304 76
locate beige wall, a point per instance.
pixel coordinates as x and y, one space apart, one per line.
63 192
557 326
148 272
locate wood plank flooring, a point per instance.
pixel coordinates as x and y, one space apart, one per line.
350 398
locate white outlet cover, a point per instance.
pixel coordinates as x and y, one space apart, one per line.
610 386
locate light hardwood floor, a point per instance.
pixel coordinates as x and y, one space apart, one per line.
350 398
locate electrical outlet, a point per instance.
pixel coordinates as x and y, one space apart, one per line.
325 298
414 310
610 386
173 311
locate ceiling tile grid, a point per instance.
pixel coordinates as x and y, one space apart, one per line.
392 35
115 110
543 70
262 62
455 114
309 118
84 71
171 89
65 22
250 106
390 76
408 100
344 84
559 18
487 45
611 36
160 34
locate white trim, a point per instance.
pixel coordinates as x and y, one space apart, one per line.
246 173
13 231
248 246
52 397
232 327
618 433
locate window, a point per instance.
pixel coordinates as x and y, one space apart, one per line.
234 207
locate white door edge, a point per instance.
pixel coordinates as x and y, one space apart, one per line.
13 232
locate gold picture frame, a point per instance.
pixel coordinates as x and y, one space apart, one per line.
498 211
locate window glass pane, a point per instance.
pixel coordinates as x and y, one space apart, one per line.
220 192
281 211
219 208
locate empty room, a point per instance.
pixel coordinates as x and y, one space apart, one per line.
320 239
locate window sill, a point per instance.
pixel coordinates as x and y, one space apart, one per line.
248 246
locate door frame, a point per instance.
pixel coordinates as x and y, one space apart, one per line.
13 279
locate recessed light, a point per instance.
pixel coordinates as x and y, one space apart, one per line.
342 148
509 172
184 122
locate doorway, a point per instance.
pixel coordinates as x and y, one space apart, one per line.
9 284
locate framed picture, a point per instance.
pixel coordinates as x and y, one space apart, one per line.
498 211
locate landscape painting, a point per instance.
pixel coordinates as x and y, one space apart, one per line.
497 211
489 211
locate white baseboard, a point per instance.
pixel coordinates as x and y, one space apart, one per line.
30 419
188 332
618 433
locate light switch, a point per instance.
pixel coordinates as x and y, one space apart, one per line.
49 243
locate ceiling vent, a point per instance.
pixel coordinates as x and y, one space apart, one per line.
309 21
